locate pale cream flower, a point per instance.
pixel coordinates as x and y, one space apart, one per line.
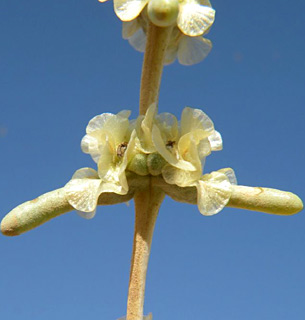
187 147
188 50
214 190
111 143
193 17
184 147
190 20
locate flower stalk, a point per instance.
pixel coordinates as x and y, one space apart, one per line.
147 204
156 43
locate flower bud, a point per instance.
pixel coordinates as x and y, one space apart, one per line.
163 13
138 164
155 163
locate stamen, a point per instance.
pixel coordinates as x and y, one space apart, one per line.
121 149
170 143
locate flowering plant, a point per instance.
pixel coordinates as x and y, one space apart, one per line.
154 155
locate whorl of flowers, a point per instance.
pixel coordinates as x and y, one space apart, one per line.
189 19
154 144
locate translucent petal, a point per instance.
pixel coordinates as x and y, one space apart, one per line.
170 54
128 10
89 144
230 175
86 215
98 122
129 28
166 154
83 194
124 114
181 178
172 48
138 40
194 19
106 161
213 193
108 121
192 119
85 173
192 50
144 130
168 125
215 141
204 148
113 187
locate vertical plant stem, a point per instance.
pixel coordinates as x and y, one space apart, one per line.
147 204
156 43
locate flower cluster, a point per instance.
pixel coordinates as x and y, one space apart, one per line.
189 19
154 144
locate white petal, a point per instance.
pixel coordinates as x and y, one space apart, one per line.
181 178
83 194
85 173
129 28
230 175
138 40
194 19
124 114
144 130
106 161
98 122
89 144
86 215
166 154
213 193
168 125
192 50
128 10
107 121
193 119
215 141
172 48
204 148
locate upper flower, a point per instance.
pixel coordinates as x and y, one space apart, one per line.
187 49
193 17
190 20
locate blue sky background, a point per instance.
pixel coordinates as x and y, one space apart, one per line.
63 62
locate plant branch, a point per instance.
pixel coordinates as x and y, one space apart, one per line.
32 214
156 43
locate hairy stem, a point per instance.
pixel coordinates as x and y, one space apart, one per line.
157 40
147 204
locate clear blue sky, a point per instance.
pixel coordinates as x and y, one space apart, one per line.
63 62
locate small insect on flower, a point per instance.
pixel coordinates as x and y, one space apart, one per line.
170 144
121 149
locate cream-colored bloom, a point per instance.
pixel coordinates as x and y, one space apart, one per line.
188 50
193 17
214 191
190 20
111 143
184 147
